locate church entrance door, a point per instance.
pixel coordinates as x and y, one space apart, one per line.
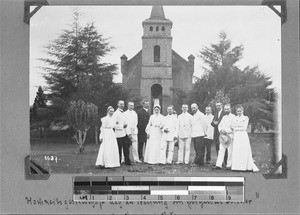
156 95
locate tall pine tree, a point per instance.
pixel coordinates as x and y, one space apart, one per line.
248 87
40 99
75 69
74 57
39 102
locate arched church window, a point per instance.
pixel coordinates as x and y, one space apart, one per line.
157 28
151 28
157 53
163 28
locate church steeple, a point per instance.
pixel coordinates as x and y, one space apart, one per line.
157 17
157 25
157 13
156 69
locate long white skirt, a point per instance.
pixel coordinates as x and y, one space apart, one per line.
108 155
241 153
152 151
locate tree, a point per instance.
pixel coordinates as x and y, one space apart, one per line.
219 97
256 97
81 116
223 79
201 93
75 59
39 102
33 113
39 113
180 97
75 69
40 99
220 68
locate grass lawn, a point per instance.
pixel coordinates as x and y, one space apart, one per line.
69 162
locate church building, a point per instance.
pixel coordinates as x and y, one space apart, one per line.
157 69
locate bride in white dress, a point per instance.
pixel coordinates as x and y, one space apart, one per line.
241 151
108 155
154 135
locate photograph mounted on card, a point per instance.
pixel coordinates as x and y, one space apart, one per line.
129 103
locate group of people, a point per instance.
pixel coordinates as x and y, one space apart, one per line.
153 137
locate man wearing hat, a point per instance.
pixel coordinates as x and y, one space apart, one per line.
226 135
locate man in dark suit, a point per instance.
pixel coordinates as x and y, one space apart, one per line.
143 119
215 123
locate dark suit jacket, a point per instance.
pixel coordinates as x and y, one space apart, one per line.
216 118
143 119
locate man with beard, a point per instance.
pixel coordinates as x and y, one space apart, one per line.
215 123
143 119
226 130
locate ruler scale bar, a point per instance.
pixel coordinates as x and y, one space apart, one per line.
206 188
134 183
168 188
149 183
130 188
207 192
101 187
99 183
130 192
155 197
157 183
169 192
133 188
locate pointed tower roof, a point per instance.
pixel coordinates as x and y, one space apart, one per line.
157 16
157 13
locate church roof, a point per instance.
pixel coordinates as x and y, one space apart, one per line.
175 56
157 16
157 13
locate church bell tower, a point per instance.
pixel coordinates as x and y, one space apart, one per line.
156 71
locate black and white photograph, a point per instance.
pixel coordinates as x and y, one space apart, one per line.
146 90
149 107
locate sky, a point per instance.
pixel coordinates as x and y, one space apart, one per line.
258 28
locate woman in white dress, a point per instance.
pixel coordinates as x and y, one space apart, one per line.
241 151
108 155
154 137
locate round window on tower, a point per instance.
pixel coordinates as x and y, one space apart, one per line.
151 28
